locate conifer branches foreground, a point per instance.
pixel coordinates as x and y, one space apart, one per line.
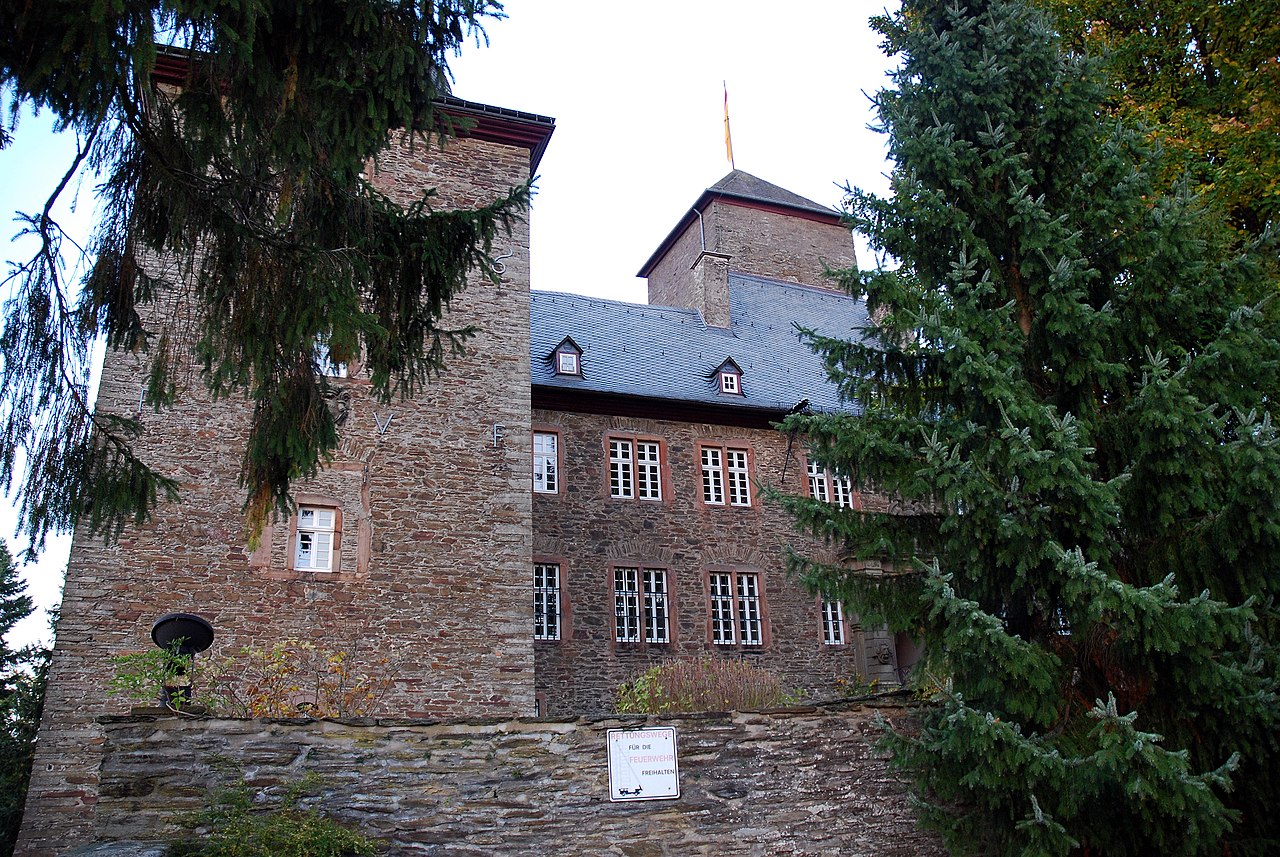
246 185
1070 380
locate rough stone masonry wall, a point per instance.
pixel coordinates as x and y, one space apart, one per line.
586 531
435 543
781 783
767 243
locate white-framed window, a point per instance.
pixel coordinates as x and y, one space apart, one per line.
568 358
621 468
725 467
830 487
546 601
730 378
640 606
635 469
737 614
750 621
567 363
546 462
325 364
316 538
723 629
832 622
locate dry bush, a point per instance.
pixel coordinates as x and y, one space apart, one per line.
705 684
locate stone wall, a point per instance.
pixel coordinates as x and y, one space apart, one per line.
587 533
748 240
435 537
806 781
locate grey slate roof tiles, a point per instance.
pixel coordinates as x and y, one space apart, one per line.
671 353
746 186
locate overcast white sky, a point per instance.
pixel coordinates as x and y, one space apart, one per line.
636 92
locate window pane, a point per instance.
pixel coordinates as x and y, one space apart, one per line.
626 605
620 469
832 623
749 627
712 477
842 491
546 601
648 471
544 463
722 629
817 482
313 549
655 605
739 478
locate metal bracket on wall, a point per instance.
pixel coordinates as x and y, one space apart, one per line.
382 427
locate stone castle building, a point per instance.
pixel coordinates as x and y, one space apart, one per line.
575 500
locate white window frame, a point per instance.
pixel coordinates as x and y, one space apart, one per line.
567 362
833 628
730 382
325 365
750 615
726 475
641 605
724 630
736 608
546 601
828 487
317 528
546 462
621 468
635 469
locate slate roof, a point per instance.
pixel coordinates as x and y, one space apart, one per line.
746 186
670 353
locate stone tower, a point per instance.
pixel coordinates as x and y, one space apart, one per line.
411 547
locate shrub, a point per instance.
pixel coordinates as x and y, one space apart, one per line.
290 678
706 684
235 825
297 677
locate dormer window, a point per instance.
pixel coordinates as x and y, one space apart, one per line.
568 358
730 378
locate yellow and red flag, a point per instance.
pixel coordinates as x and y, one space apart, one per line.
728 140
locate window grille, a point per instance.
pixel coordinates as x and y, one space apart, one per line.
546 601
750 627
640 606
832 623
722 626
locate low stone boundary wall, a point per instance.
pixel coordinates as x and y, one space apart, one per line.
801 781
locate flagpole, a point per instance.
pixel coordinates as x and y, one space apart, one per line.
728 139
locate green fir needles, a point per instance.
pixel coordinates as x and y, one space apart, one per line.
236 215
1067 389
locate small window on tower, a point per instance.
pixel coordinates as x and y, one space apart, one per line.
317 539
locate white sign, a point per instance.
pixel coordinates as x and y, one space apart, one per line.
642 764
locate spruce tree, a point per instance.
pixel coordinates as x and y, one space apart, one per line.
245 186
22 680
1066 387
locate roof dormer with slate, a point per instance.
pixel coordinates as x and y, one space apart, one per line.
743 224
667 362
